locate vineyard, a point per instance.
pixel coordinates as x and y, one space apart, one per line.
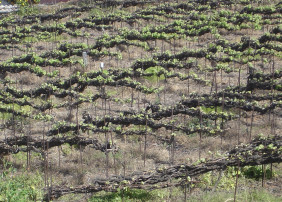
152 100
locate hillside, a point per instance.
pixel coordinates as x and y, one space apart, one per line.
141 101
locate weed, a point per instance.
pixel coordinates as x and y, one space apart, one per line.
154 71
66 149
124 195
247 195
28 10
256 172
20 187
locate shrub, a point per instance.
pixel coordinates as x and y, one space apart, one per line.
256 172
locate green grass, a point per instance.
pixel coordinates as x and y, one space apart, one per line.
29 39
97 12
177 194
112 92
225 191
28 10
20 186
154 71
16 107
130 195
124 195
211 109
5 116
258 195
